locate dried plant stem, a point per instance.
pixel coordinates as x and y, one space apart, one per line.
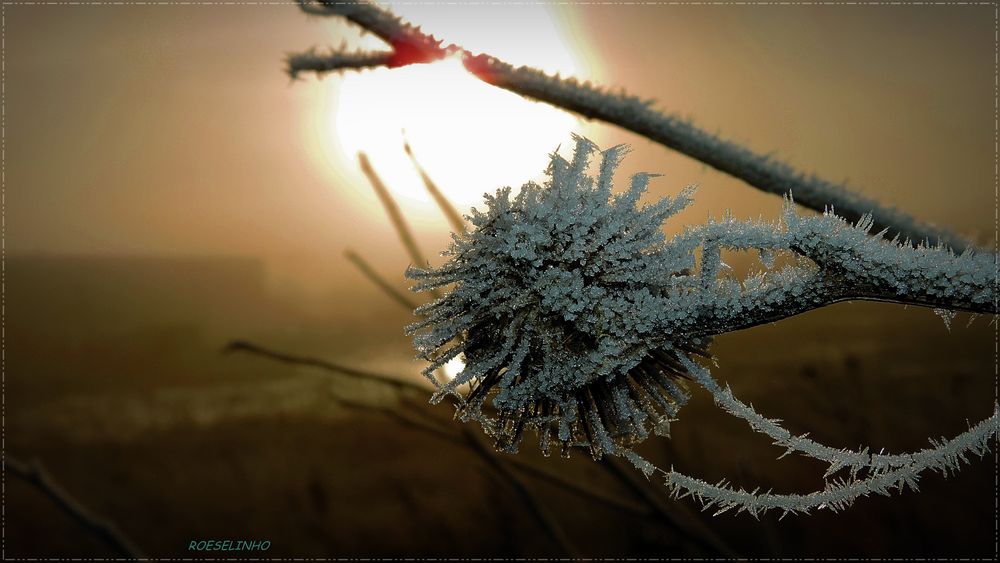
380 282
36 475
392 210
847 264
449 211
548 522
446 429
393 294
498 466
673 513
469 439
242 346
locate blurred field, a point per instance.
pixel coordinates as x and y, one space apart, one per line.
181 137
114 381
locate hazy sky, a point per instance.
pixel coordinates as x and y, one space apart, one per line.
172 129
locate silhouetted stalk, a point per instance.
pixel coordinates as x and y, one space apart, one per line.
466 438
392 210
449 211
107 532
366 270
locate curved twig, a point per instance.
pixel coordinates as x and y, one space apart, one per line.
840 493
838 458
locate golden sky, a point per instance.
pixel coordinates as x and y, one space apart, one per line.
173 129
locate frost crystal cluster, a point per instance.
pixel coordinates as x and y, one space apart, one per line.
560 299
576 317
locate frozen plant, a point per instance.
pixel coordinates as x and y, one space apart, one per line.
577 318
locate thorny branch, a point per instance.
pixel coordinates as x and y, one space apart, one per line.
412 46
339 61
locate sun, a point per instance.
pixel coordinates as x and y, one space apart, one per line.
470 137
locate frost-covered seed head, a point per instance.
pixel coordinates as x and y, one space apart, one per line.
557 304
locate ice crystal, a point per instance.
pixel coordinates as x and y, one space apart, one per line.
946 316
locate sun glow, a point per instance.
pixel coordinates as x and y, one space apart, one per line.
470 137
454 367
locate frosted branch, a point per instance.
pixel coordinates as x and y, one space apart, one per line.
336 61
578 318
411 46
856 461
838 261
839 494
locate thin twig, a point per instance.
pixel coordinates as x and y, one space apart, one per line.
411 46
543 516
379 281
335 61
242 346
392 292
689 524
449 211
466 437
588 492
499 466
436 429
398 416
470 439
392 209
34 474
445 426
549 524
446 430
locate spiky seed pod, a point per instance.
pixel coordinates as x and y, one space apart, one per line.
555 301
578 319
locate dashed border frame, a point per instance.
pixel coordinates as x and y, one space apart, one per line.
3 255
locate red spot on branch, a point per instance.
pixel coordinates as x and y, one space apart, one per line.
406 53
481 66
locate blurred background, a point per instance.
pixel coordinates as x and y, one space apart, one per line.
169 189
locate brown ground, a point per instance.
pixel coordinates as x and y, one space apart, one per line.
153 428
